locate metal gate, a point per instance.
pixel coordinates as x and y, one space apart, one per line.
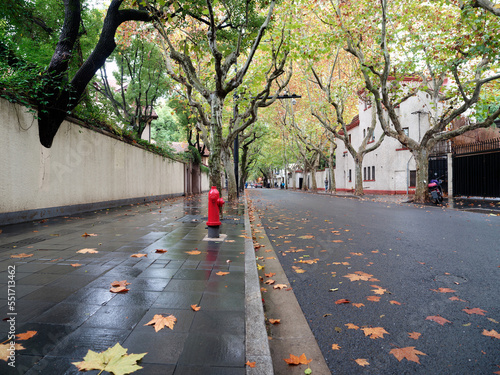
476 169
438 168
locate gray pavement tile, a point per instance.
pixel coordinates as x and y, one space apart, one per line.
116 317
178 300
92 296
78 343
71 282
207 370
134 297
70 314
180 285
158 273
219 322
163 347
150 284
21 291
206 349
223 301
190 274
54 365
48 294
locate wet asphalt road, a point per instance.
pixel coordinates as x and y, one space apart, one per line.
404 254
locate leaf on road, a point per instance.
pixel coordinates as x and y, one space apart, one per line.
22 255
250 364
195 307
475 310
119 289
379 290
455 298
307 237
270 281
87 251
120 283
270 274
26 335
373 298
438 319
294 360
395 303
342 301
298 269
352 326
336 347
336 241
222 273
414 335
357 254
159 322
410 353
75 265
279 286
193 252
114 360
375 332
138 255
362 362
161 251
358 275
275 321
491 333
444 290
5 350
89 235
358 305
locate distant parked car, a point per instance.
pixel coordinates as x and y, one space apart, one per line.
258 185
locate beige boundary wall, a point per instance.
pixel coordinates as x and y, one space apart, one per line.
83 170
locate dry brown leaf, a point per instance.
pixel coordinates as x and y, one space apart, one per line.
438 319
138 255
250 364
119 289
362 362
26 335
279 286
414 335
475 310
193 252
307 237
270 274
352 326
222 273
336 241
491 333
5 350
89 235
336 347
375 332
358 275
159 322
357 254
342 301
75 264
394 303
269 281
120 283
358 305
195 307
455 298
275 321
160 251
373 298
294 360
22 255
87 251
410 353
379 290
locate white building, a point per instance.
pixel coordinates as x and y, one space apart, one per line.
390 169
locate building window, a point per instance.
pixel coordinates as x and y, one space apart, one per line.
350 175
413 178
364 173
369 173
373 173
364 133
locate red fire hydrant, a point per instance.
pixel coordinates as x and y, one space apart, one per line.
214 206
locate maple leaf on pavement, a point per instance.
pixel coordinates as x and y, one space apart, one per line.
410 353
294 360
362 362
222 273
342 301
414 335
271 274
89 251
475 310
161 251
195 308
275 321
358 275
491 333
375 332
120 283
270 281
114 360
250 364
336 347
279 286
89 234
138 255
159 321
5 350
22 255
373 298
193 252
352 326
438 319
26 335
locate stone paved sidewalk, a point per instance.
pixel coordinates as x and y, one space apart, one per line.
72 309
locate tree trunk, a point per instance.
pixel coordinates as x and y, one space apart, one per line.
214 159
231 178
421 156
332 185
313 177
358 165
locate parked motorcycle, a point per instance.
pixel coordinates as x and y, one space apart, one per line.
436 191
